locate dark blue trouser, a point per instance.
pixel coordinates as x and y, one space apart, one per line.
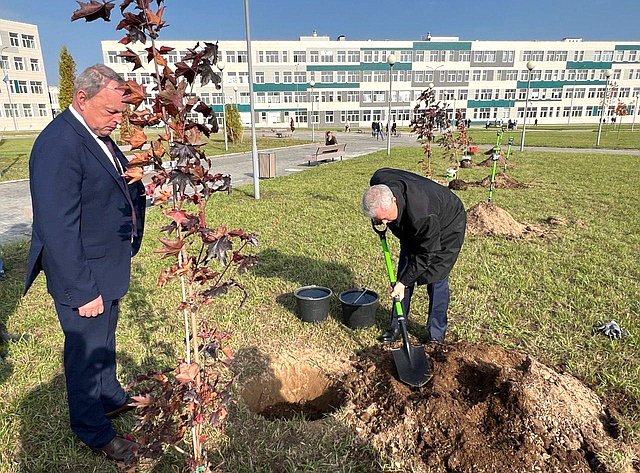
90 372
438 303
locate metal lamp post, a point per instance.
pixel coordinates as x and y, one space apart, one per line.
391 60
635 111
312 84
235 90
254 145
573 94
607 75
530 66
221 65
5 78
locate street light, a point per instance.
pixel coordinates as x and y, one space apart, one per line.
607 75
221 64
391 60
235 90
635 111
530 66
254 145
5 78
573 94
311 84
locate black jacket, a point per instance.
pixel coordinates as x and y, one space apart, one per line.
430 225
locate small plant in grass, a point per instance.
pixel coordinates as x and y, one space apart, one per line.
177 405
621 111
457 141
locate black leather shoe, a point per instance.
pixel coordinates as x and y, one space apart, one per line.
390 336
120 450
118 411
433 340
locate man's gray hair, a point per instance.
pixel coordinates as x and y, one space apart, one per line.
376 197
94 78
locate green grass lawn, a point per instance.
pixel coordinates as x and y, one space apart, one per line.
540 296
14 152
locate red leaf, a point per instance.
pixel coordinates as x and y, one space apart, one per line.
170 247
133 174
142 400
133 93
137 139
132 57
187 373
93 10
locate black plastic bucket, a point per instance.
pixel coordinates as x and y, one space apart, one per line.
313 302
359 307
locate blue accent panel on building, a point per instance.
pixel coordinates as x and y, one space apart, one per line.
241 108
556 84
627 47
490 103
588 65
277 87
335 85
444 46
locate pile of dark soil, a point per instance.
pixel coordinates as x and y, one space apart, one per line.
503 181
466 163
458 185
485 410
489 162
490 220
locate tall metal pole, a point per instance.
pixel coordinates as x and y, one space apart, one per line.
5 78
221 65
391 60
530 66
254 146
607 74
635 112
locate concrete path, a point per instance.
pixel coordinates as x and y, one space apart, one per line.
15 201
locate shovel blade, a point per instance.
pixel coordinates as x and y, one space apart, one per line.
413 366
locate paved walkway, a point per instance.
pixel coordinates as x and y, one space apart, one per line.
16 215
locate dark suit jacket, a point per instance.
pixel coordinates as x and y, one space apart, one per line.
430 225
82 224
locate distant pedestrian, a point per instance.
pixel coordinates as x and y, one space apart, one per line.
374 129
347 127
394 129
535 122
292 125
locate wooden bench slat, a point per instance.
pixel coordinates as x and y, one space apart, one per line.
324 153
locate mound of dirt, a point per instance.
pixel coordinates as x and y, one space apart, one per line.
503 181
489 162
466 163
458 185
490 220
485 410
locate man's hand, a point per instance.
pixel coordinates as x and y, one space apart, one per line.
398 291
92 309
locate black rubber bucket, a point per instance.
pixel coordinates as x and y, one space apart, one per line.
313 302
359 308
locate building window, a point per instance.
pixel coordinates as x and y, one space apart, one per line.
285 56
353 76
273 97
259 77
287 97
271 56
28 41
276 77
405 55
341 77
326 56
341 56
300 77
464 56
326 96
36 87
231 56
4 62
418 56
353 56
328 117
326 77
19 86
367 76
27 110
10 110
299 56
13 40
243 77
314 56
380 76
353 96
367 56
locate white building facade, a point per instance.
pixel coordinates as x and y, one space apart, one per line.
485 80
24 94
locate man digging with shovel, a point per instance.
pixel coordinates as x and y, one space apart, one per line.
429 220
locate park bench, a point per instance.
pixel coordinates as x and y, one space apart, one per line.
277 133
326 153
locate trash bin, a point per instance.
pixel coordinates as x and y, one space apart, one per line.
266 165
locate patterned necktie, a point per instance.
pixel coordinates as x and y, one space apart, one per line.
107 141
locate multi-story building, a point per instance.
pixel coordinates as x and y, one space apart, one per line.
334 81
24 94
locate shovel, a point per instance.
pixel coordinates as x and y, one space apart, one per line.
411 362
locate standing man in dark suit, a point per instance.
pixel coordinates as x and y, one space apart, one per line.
87 224
430 222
